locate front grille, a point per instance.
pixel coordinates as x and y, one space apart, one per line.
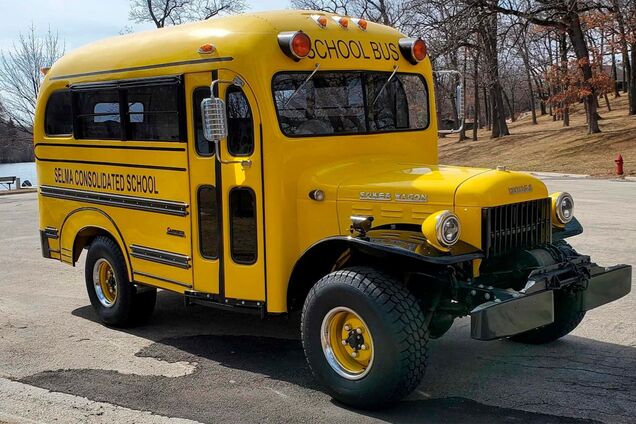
516 226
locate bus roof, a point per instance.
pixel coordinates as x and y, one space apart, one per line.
240 37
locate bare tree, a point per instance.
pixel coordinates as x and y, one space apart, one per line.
387 12
174 12
20 76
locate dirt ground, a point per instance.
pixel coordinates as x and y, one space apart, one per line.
549 147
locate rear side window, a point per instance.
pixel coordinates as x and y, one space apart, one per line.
142 110
58 119
153 112
98 115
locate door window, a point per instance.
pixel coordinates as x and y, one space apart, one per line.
208 222
240 126
243 245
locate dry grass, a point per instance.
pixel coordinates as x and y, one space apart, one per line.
549 147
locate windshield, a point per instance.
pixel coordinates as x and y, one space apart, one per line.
350 103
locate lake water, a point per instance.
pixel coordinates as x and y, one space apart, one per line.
23 170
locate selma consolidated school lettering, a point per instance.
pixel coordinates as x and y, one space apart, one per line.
135 183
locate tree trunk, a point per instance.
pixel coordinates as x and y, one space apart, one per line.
476 95
565 108
614 68
623 42
487 110
632 82
582 54
526 64
510 105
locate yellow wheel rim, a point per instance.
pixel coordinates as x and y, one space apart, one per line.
105 282
347 343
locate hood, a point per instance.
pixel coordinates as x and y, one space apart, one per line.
436 185
404 182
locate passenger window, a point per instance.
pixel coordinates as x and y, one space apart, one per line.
208 222
240 126
58 119
98 115
244 240
153 113
202 145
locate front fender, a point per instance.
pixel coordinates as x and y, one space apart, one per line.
571 229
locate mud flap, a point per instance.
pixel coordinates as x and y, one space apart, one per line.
493 320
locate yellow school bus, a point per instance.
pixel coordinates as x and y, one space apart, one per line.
287 161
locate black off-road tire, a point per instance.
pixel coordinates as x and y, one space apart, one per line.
567 317
130 308
396 323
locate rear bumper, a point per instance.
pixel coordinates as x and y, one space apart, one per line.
535 307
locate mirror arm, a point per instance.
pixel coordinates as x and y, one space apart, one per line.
246 163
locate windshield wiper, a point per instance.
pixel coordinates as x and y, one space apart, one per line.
395 69
302 85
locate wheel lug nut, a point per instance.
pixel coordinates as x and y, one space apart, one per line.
354 354
347 327
359 330
363 347
344 342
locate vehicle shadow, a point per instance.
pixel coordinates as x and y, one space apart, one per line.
261 364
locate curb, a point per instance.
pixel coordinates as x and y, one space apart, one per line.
18 191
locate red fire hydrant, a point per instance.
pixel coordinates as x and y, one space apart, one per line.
619 164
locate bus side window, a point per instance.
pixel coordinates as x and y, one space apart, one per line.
240 126
208 222
98 115
58 119
202 145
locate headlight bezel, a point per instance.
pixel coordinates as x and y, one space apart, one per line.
442 219
558 217
433 230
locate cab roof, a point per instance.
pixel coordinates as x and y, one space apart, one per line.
239 37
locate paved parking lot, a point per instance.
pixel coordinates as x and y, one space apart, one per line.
57 364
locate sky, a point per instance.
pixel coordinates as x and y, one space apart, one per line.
80 21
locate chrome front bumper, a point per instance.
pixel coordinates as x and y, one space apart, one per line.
534 308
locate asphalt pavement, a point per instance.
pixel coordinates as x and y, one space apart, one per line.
58 364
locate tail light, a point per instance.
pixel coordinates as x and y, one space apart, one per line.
413 49
295 44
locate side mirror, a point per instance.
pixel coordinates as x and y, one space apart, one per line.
449 99
214 119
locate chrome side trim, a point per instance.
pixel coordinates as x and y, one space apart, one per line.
160 256
129 202
165 280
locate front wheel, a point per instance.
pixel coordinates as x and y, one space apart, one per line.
364 337
567 317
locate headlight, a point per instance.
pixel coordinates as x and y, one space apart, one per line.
562 208
442 229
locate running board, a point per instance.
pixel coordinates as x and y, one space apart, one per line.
217 301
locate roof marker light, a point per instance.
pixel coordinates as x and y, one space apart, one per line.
320 20
342 21
362 23
295 44
413 49
207 48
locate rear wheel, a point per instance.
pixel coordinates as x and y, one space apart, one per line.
364 337
567 317
113 296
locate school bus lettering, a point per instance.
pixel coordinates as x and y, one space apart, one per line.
341 49
106 181
299 172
